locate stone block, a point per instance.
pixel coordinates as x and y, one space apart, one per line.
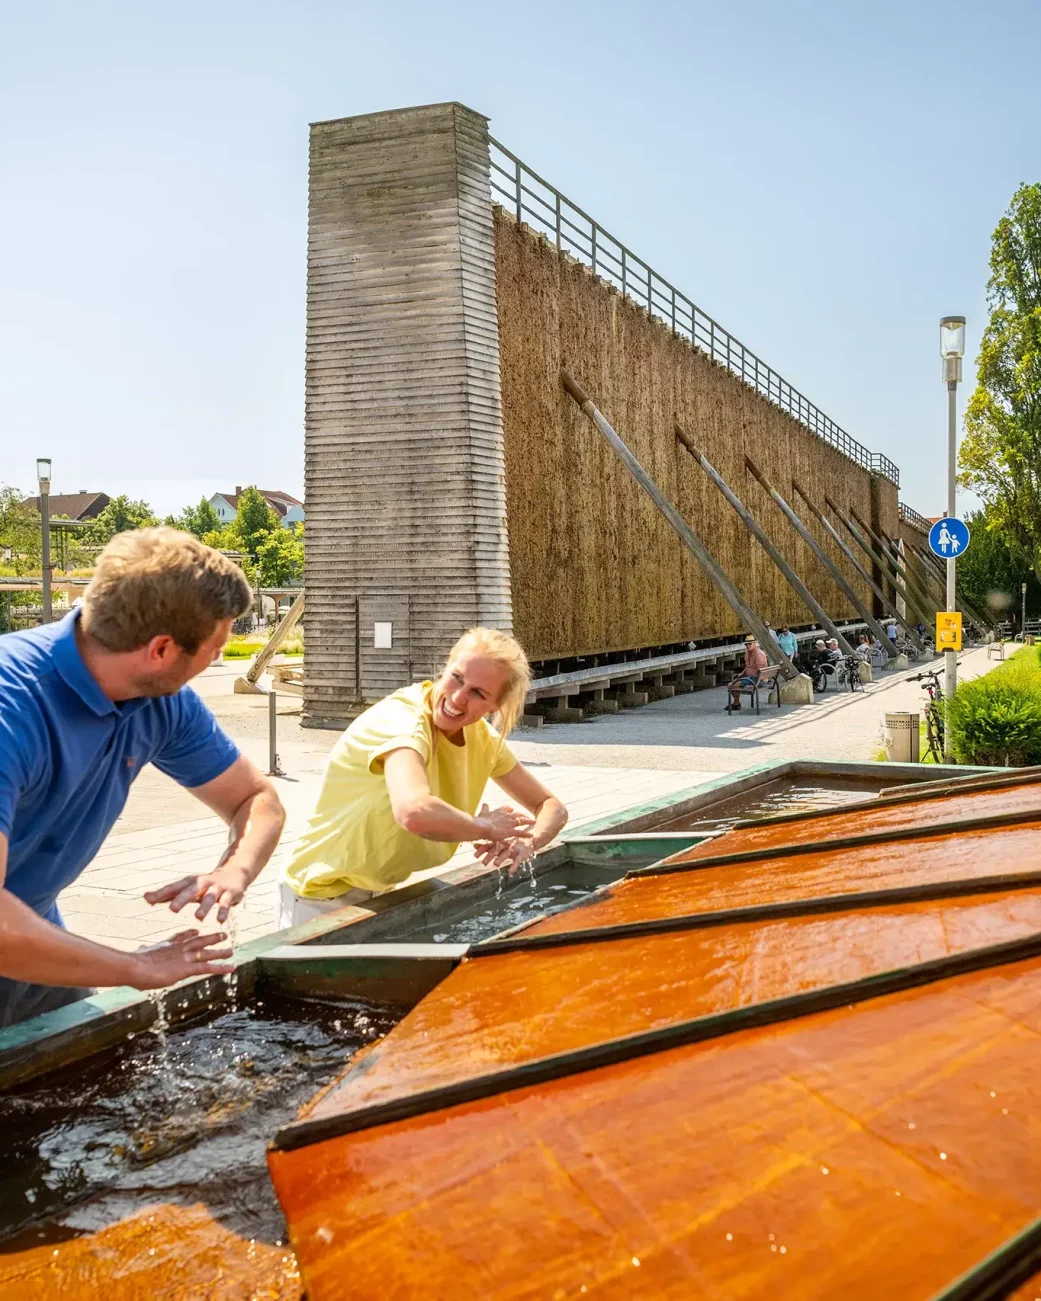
568 715
630 699
530 720
797 691
899 663
865 672
603 707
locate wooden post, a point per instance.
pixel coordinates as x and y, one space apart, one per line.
686 534
896 562
248 684
836 573
869 550
833 533
928 582
745 515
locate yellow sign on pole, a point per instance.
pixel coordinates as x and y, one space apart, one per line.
948 630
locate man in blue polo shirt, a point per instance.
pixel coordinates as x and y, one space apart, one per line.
85 703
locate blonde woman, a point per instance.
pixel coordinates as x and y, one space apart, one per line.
403 784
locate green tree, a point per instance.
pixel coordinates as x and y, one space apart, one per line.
119 516
280 558
991 574
19 532
200 520
1001 454
254 520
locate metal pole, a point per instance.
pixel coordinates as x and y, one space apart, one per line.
45 529
274 767
950 676
1023 622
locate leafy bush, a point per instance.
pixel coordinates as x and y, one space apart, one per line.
996 719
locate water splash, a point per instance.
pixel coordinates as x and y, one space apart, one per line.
231 980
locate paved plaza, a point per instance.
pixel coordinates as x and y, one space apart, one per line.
597 768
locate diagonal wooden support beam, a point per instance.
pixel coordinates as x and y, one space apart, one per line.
246 685
868 578
896 562
836 573
929 564
746 517
687 536
869 550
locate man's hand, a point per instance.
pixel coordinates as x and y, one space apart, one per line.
222 889
186 954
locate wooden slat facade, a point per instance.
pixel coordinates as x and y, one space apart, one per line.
404 459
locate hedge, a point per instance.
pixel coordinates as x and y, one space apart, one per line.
995 720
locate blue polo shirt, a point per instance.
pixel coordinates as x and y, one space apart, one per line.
68 755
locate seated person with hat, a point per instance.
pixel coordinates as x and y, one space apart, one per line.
755 662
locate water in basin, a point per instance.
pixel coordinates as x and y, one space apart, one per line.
522 897
181 1117
772 799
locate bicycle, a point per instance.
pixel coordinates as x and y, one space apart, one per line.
845 671
933 713
907 647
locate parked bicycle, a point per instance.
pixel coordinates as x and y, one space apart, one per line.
904 646
933 711
844 673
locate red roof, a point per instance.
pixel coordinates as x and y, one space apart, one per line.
280 502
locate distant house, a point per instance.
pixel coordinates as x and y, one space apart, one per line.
80 506
288 509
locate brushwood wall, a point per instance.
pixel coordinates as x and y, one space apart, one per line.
451 481
593 566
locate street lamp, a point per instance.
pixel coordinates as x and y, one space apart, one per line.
43 475
952 349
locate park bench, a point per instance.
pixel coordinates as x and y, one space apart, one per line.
767 679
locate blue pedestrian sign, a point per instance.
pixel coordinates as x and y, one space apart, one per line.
949 538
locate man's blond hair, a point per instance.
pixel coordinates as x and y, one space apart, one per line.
151 582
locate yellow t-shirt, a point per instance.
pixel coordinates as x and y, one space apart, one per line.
352 840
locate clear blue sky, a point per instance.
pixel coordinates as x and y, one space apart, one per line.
823 178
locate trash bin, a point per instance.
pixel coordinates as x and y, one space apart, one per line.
900 736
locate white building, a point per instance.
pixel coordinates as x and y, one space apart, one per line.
288 509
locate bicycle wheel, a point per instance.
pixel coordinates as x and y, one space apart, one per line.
934 737
911 652
820 679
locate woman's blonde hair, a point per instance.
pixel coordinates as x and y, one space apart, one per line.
500 647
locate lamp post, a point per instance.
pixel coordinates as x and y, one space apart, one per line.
43 474
952 349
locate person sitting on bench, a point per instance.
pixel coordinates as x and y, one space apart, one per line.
755 662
